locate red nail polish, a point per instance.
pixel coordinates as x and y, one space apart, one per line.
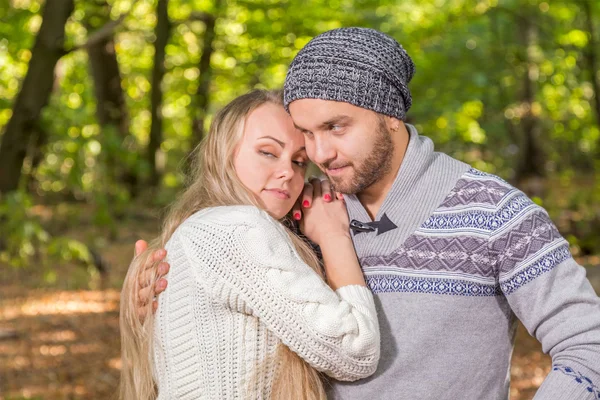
297 216
305 204
327 197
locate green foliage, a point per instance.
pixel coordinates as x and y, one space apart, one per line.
21 235
472 60
26 242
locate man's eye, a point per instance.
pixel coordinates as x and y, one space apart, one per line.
301 164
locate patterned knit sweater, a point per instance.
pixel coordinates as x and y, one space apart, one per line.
470 255
237 289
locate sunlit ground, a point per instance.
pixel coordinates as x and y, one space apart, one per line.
66 345
59 334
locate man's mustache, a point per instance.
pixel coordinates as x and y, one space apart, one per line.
334 165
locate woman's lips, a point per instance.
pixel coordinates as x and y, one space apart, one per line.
280 194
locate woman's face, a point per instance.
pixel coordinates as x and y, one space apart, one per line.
271 160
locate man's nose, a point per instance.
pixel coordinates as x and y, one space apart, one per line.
322 151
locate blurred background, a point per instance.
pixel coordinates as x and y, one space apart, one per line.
102 100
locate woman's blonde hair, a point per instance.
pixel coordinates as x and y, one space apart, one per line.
212 182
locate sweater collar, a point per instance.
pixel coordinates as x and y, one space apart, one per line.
424 179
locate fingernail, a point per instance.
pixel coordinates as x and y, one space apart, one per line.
305 203
297 216
163 284
327 197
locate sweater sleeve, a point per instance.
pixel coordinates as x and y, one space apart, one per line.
336 332
549 292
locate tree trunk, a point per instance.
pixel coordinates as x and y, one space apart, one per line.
111 110
162 30
34 93
35 155
498 53
592 58
203 91
531 162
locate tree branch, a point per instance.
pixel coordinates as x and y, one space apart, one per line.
102 33
99 35
109 28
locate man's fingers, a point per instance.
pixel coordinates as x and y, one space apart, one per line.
140 247
146 276
307 195
159 255
163 269
141 312
160 286
148 292
145 295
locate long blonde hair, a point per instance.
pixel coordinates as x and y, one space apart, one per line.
212 181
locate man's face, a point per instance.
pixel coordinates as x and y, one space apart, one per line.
352 145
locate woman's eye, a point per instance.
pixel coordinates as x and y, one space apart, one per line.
266 153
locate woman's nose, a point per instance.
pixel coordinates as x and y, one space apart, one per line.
285 170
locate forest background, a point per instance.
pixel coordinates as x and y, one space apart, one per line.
101 101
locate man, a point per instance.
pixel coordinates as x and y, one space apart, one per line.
453 255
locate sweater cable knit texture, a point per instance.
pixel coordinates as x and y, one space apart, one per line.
237 289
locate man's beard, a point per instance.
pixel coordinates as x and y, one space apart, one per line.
372 168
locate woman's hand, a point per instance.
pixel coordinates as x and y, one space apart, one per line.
325 214
325 222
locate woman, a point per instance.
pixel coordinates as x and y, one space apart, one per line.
247 313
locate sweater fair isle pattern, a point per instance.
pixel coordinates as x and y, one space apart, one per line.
237 290
471 254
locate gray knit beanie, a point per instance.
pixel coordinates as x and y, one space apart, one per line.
360 66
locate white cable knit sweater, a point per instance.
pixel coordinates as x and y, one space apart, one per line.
237 288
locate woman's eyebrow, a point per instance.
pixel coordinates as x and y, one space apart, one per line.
282 144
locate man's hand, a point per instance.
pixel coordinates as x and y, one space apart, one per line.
147 291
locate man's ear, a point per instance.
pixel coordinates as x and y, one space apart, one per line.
393 124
